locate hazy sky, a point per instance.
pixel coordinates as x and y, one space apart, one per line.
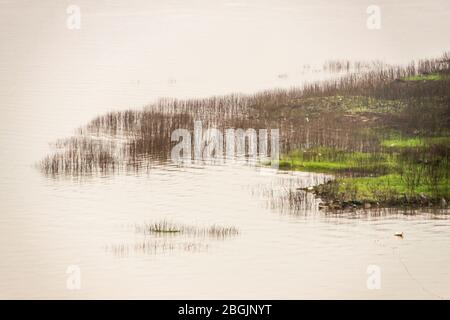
127 53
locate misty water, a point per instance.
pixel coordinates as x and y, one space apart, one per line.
54 80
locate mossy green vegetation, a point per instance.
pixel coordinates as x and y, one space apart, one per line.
402 142
415 172
390 189
330 160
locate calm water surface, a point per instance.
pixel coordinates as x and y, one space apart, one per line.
53 80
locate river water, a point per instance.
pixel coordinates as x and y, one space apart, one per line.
127 54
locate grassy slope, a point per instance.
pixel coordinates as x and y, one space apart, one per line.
372 177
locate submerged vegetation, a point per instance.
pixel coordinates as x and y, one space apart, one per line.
166 227
382 130
164 236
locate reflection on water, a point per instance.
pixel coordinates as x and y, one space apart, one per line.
154 247
280 251
287 192
163 236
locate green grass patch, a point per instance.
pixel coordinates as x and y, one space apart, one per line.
414 142
403 143
329 160
385 176
385 188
